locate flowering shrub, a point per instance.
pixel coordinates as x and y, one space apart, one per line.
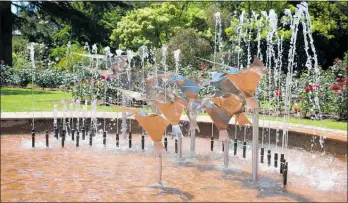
332 91
49 78
5 75
21 77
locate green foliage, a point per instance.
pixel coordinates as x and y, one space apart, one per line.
21 77
156 25
328 17
5 75
68 61
63 36
50 78
36 27
191 45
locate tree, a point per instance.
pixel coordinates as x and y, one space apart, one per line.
84 26
156 25
6 20
191 45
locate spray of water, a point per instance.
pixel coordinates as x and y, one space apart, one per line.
32 59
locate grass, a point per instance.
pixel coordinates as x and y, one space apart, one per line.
20 100
332 124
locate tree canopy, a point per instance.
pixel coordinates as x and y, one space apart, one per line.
133 24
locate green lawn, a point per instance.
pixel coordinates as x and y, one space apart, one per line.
323 123
20 100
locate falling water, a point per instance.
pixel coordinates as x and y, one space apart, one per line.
294 22
84 112
273 21
177 60
240 33
164 64
258 24
248 42
77 109
143 53
129 74
64 115
32 59
217 44
86 47
55 111
123 101
279 65
71 112
307 32
94 49
107 59
94 125
217 39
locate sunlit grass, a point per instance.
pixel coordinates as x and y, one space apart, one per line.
22 99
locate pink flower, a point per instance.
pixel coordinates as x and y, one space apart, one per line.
342 84
338 79
278 92
316 86
204 66
2 62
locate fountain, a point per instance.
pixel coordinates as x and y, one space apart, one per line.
113 170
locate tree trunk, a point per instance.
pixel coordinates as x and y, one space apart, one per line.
6 21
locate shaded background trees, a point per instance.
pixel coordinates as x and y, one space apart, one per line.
132 24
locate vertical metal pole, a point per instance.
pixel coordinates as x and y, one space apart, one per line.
176 145
255 150
166 143
47 144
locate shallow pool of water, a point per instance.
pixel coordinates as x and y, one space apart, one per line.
109 173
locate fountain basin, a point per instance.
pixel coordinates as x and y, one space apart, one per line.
107 173
331 142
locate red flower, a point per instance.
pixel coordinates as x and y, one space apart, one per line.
342 84
308 89
278 92
204 66
338 79
108 79
335 87
103 77
316 86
